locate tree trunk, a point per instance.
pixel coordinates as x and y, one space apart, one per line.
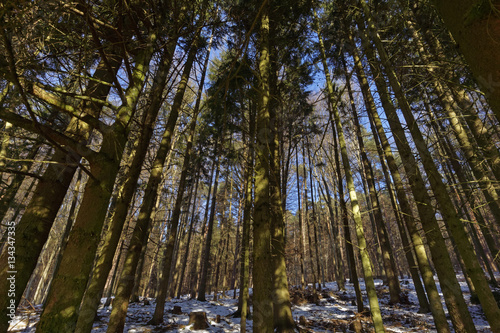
139 237
307 221
104 262
61 310
46 280
208 241
283 319
474 27
470 152
338 241
190 233
447 209
387 254
365 259
435 240
407 243
262 271
314 219
196 263
35 225
247 215
301 231
162 295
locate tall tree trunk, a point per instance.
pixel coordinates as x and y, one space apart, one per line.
262 271
237 245
387 254
61 310
436 242
221 247
301 249
283 320
139 237
205 261
338 241
351 258
475 160
190 233
314 218
365 259
41 292
463 182
307 220
447 209
461 99
176 213
408 246
104 262
34 227
247 215
474 27
196 263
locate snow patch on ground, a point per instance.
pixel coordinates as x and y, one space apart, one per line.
334 311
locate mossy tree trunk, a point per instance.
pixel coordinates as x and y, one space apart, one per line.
408 245
419 191
387 253
247 215
474 26
34 227
365 259
473 269
283 320
104 261
63 302
176 213
140 233
262 270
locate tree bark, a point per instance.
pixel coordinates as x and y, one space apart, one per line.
262 271
426 213
61 310
37 220
474 25
365 259
104 262
208 241
447 209
247 215
176 213
387 253
139 237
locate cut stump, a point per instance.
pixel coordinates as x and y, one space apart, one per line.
199 320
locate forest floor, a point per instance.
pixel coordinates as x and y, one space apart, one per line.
330 311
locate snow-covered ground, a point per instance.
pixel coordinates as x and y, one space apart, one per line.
333 312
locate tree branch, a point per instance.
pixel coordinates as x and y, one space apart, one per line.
46 132
19 172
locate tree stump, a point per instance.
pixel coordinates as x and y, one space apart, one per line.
199 320
356 324
177 310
